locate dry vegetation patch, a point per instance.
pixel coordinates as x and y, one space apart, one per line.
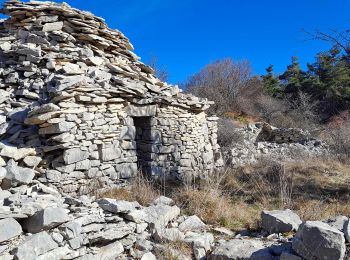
140 189
315 189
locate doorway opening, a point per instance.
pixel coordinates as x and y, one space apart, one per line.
144 145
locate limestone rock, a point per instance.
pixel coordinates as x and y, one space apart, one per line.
2 173
316 239
161 214
148 256
9 228
168 234
192 223
16 153
240 249
347 230
32 161
56 26
74 155
34 246
72 69
337 222
57 128
280 221
201 243
111 251
112 232
16 175
118 206
46 219
110 153
164 200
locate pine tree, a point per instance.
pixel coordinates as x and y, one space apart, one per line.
293 77
271 83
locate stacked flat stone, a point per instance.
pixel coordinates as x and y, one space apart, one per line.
71 90
37 222
262 141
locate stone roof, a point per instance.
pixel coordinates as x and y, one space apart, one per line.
50 52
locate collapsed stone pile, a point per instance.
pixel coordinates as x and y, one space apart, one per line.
77 106
38 222
260 140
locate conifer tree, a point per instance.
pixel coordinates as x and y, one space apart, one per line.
271 83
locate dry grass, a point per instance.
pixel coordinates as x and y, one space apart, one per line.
140 189
315 189
174 250
215 207
319 210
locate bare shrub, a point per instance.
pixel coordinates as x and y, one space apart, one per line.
303 110
339 140
220 82
232 87
265 180
159 70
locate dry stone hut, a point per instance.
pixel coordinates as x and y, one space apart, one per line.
77 105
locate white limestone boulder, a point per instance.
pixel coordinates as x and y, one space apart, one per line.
192 223
240 249
337 222
16 175
9 228
149 256
15 153
34 246
32 161
318 240
201 243
46 219
118 206
110 251
280 221
161 214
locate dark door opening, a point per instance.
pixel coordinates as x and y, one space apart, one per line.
144 146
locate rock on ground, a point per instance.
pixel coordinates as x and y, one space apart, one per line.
9 228
240 249
337 222
280 221
46 219
192 223
316 239
161 214
347 230
34 246
149 256
117 206
111 251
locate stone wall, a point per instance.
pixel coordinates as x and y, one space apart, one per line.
110 142
71 91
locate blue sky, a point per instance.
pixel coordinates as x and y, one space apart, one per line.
187 35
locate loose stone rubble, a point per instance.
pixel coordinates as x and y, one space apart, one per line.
77 106
261 140
39 222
